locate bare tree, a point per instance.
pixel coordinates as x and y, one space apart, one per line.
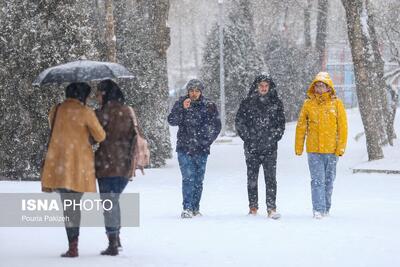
388 25
364 61
322 26
111 43
387 131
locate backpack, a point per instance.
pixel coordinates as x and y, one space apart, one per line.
140 148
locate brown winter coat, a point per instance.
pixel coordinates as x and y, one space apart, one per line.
69 160
114 156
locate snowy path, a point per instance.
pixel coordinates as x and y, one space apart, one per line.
363 229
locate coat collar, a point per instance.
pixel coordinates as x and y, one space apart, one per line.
73 100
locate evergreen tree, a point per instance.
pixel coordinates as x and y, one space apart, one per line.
293 67
242 60
35 35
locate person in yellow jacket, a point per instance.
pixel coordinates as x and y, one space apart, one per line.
323 123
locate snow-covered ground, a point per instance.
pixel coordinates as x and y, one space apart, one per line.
363 229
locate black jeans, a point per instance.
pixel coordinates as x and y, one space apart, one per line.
74 215
253 162
110 189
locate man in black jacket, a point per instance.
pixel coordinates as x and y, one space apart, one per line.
199 125
260 123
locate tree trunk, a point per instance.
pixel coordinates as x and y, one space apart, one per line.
195 49
143 39
364 83
387 131
322 26
180 47
162 31
307 24
392 114
111 41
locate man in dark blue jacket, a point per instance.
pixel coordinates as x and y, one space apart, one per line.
260 123
199 125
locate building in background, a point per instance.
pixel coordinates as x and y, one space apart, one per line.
340 66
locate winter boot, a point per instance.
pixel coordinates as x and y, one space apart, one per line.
253 211
119 243
272 214
112 249
72 251
186 214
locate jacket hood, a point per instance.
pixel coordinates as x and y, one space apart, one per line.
321 77
262 78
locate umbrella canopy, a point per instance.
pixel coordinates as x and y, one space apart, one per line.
82 71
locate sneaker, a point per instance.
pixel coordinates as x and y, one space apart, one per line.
197 213
272 214
318 215
186 214
253 211
326 214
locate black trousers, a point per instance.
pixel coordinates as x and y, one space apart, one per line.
74 216
253 162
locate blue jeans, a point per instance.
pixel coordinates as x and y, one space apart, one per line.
192 168
323 173
110 189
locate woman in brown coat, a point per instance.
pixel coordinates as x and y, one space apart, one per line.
69 164
114 157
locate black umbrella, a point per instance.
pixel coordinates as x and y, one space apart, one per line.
82 71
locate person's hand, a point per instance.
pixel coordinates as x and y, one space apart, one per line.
298 153
186 103
339 152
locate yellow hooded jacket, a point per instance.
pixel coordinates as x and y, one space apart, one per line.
322 121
